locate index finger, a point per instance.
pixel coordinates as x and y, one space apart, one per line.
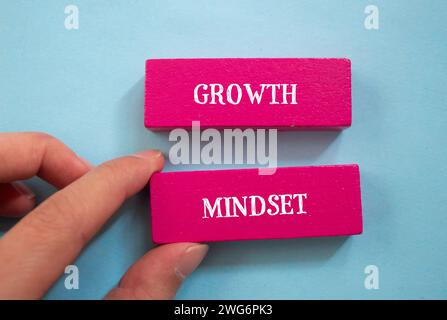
26 154
35 252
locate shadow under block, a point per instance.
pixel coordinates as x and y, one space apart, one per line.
225 205
281 93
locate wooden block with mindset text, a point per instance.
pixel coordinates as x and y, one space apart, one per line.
225 205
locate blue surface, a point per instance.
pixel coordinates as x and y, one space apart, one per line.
86 87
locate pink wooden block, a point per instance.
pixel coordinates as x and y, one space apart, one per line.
309 93
299 202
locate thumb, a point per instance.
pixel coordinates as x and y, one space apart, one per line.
160 272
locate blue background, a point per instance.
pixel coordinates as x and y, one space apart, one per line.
86 87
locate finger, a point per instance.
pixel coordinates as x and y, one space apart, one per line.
160 272
35 251
26 154
16 199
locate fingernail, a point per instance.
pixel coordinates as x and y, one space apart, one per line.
148 154
23 190
190 260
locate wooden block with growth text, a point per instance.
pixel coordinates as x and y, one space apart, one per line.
248 93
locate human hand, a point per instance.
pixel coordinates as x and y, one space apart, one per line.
35 252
